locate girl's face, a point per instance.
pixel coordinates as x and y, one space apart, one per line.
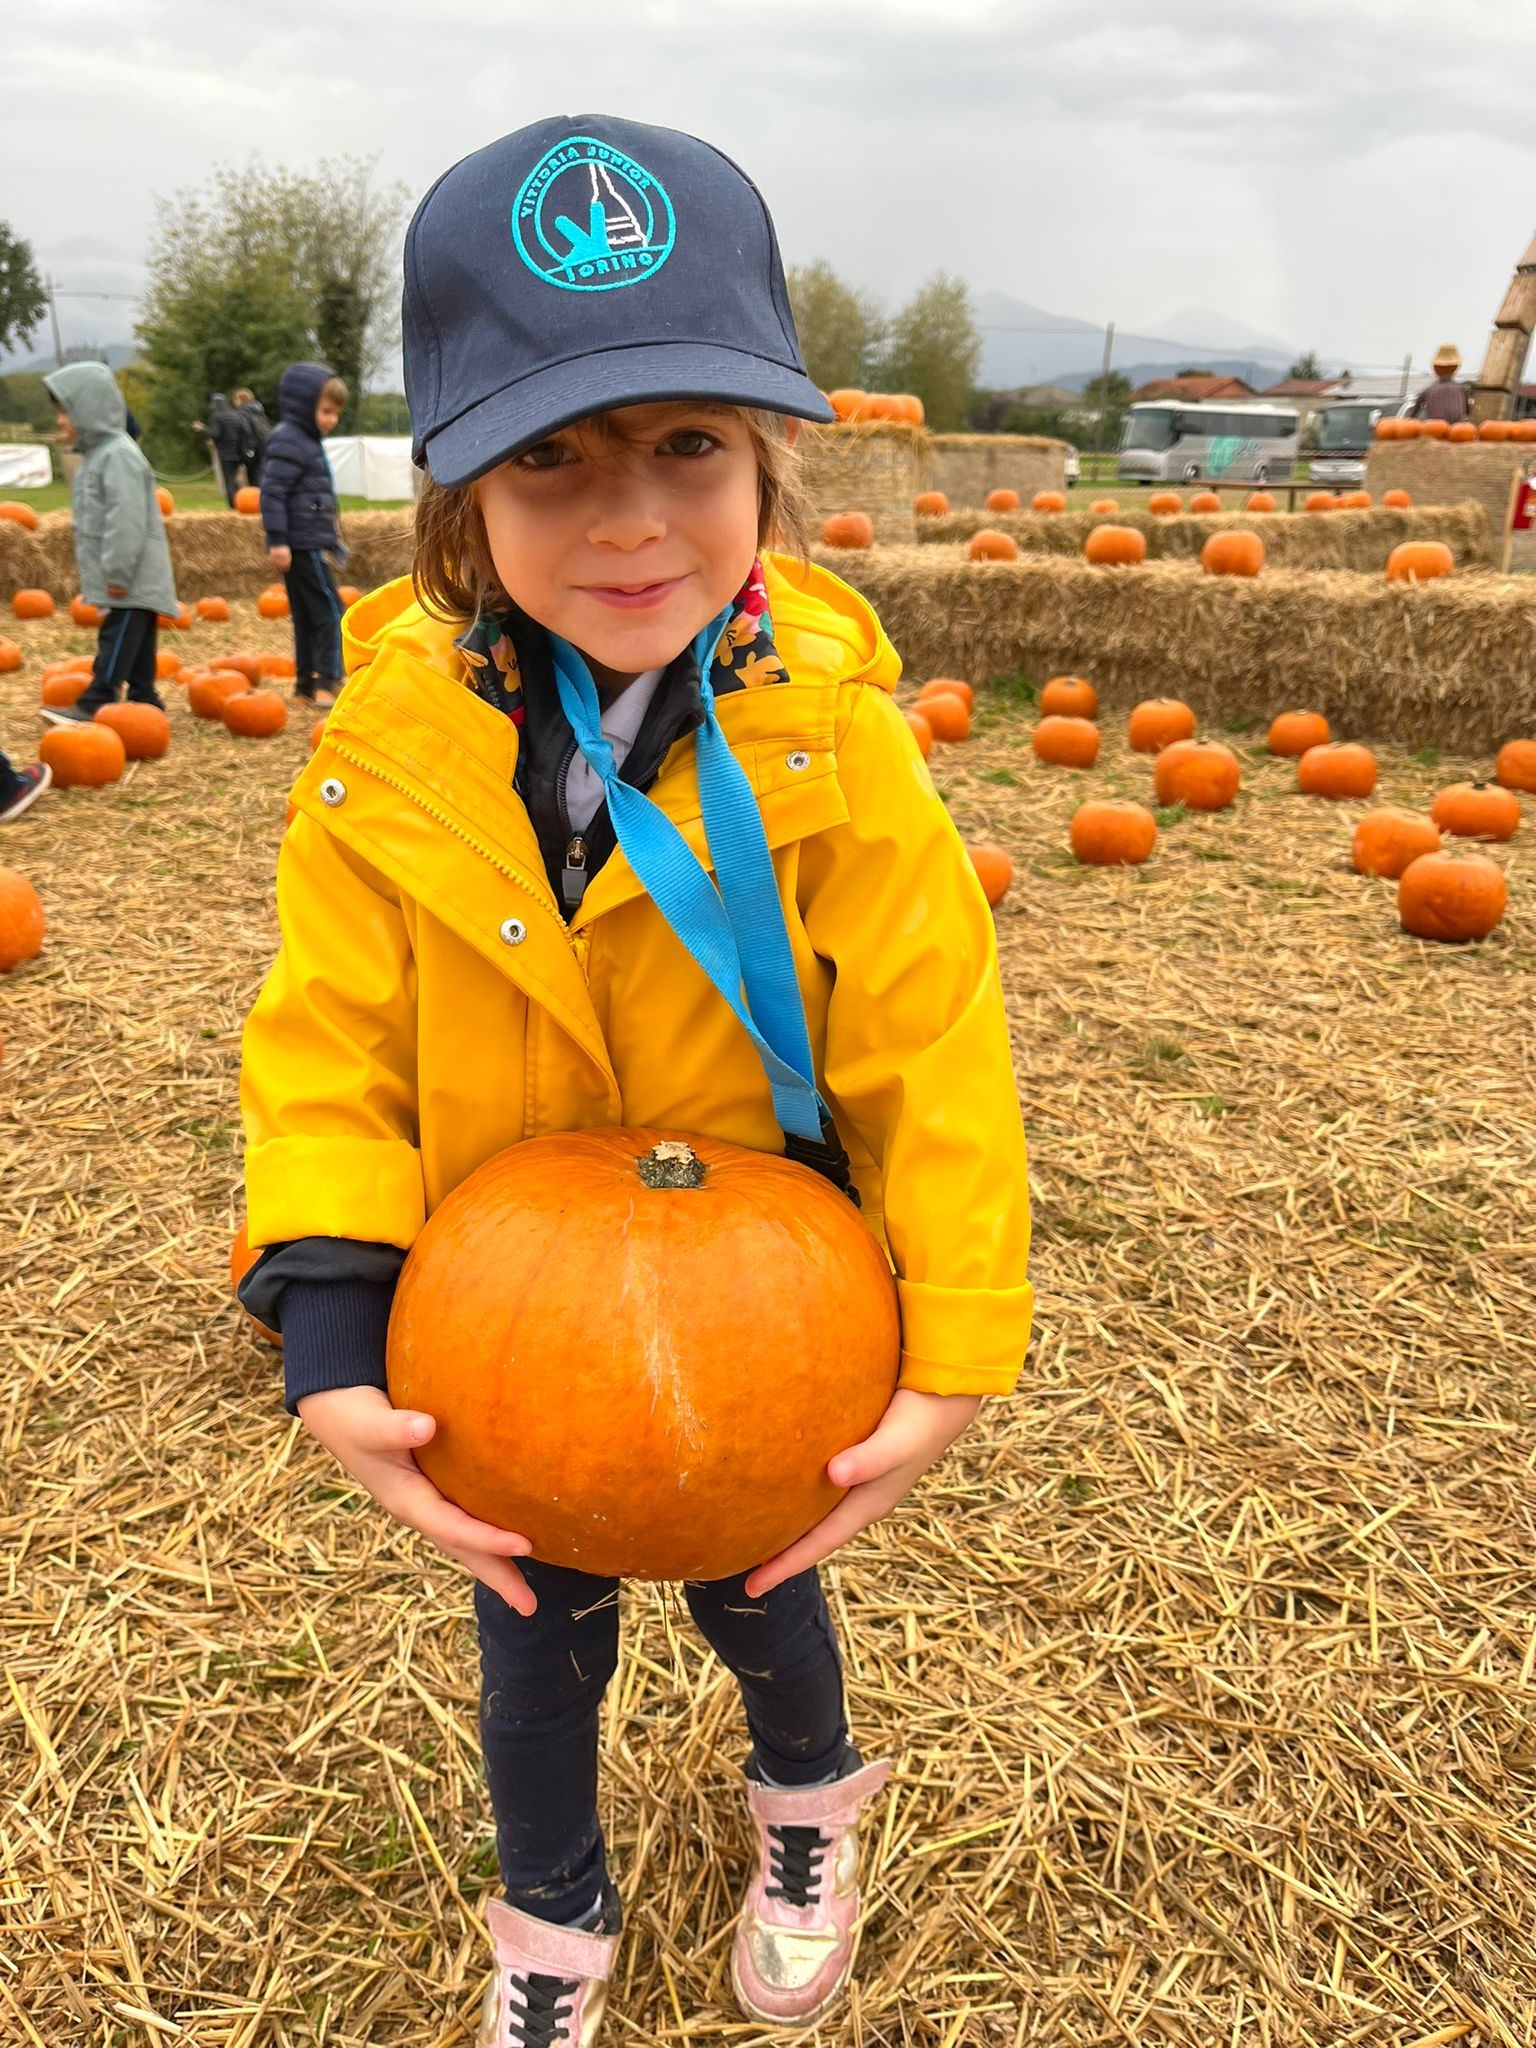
627 544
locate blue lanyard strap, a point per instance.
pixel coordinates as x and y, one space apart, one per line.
735 932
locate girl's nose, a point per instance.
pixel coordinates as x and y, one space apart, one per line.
626 511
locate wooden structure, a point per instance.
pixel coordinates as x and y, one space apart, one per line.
1504 361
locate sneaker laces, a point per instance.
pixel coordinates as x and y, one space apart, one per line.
546 2008
795 1855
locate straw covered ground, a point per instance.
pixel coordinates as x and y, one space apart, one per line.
1300 540
1208 1663
1449 663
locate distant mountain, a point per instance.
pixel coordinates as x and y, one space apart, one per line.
1024 344
1196 326
113 353
1258 373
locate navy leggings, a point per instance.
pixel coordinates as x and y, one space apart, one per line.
542 1683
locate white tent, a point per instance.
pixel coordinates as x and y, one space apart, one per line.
372 465
25 465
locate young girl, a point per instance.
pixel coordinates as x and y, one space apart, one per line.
604 384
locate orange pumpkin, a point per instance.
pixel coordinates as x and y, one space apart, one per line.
848 530
317 734
1356 501
85 614
1462 430
1066 742
1293 732
1386 840
1419 561
948 716
208 693
1104 508
994 871
67 686
880 405
1260 501
32 604
1516 765
144 729
254 714
1319 501
1204 501
913 411
1109 833
953 685
274 664
215 608
1522 430
1409 430
991 546
241 1260
165 501
19 514
248 499
1202 775
1337 768
349 594
82 756
1115 547
22 923
1387 428
1157 722
167 665
273 602
252 666
1434 430
10 656
1163 504
921 730
608 1424
1069 697
1493 430
1397 499
1002 501
1048 501
1477 810
1451 896
930 504
1233 552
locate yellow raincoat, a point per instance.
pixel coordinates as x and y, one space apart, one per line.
430 1005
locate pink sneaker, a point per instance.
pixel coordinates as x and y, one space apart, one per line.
794 1943
551 1983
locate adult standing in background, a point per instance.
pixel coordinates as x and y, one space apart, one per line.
226 430
1445 399
253 418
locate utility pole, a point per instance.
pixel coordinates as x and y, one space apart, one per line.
53 314
1407 375
1109 349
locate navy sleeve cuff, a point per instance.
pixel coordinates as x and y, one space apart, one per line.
334 1335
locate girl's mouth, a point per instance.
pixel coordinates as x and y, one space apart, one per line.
633 597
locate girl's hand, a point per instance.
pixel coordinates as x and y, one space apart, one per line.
913 1434
374 1441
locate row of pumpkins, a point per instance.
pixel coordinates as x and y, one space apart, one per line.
247 500
1441 895
1461 431
32 604
1165 504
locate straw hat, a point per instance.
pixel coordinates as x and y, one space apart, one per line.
1447 356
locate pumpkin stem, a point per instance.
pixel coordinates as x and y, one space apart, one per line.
671 1164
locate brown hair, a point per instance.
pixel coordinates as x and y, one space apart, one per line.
335 391
243 397
455 578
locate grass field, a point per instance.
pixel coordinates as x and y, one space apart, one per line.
1208 1662
201 495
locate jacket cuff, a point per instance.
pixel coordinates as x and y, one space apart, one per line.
963 1340
335 1334
335 1187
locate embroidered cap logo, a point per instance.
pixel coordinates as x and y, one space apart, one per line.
588 218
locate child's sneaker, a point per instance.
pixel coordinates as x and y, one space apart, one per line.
551 1983
34 781
794 1943
66 714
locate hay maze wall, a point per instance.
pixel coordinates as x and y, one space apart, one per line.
1452 473
966 466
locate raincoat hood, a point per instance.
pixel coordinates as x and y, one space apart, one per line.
89 393
298 392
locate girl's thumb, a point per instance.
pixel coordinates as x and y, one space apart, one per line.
415 1428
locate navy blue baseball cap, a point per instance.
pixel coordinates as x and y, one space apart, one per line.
585 263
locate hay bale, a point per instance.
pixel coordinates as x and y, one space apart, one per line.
966 466
1450 473
1450 663
1292 540
873 466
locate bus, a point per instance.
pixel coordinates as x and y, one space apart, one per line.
1166 440
1345 428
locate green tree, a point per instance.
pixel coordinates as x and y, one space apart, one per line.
23 302
1108 397
23 396
933 347
841 329
1306 366
339 339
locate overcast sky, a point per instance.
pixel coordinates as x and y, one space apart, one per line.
1358 177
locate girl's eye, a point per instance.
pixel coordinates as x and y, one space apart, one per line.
542 455
688 442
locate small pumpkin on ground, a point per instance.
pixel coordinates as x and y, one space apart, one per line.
252 666
215 608
83 756
1157 722
10 656
19 514
1451 896
1204 501
1477 810
208 693
1397 499
1115 547
1104 508
1294 731
948 716
349 594
1066 742
1069 697
1386 840
1234 552
273 602
254 714
274 665
179 622
937 685
32 604
166 666
994 870
1002 501
248 500
1260 501
848 530
1163 504
83 613
66 687
930 504
922 732
992 546
1111 832
241 1260
1048 501
1419 561
1516 765
22 923
144 729
1202 775
1337 768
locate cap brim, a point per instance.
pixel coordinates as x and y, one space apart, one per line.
650 374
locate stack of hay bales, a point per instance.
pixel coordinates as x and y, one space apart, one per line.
873 466
965 467
1451 472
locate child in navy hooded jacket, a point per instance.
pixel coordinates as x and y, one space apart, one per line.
298 514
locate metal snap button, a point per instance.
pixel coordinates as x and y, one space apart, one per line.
514 931
797 760
333 792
